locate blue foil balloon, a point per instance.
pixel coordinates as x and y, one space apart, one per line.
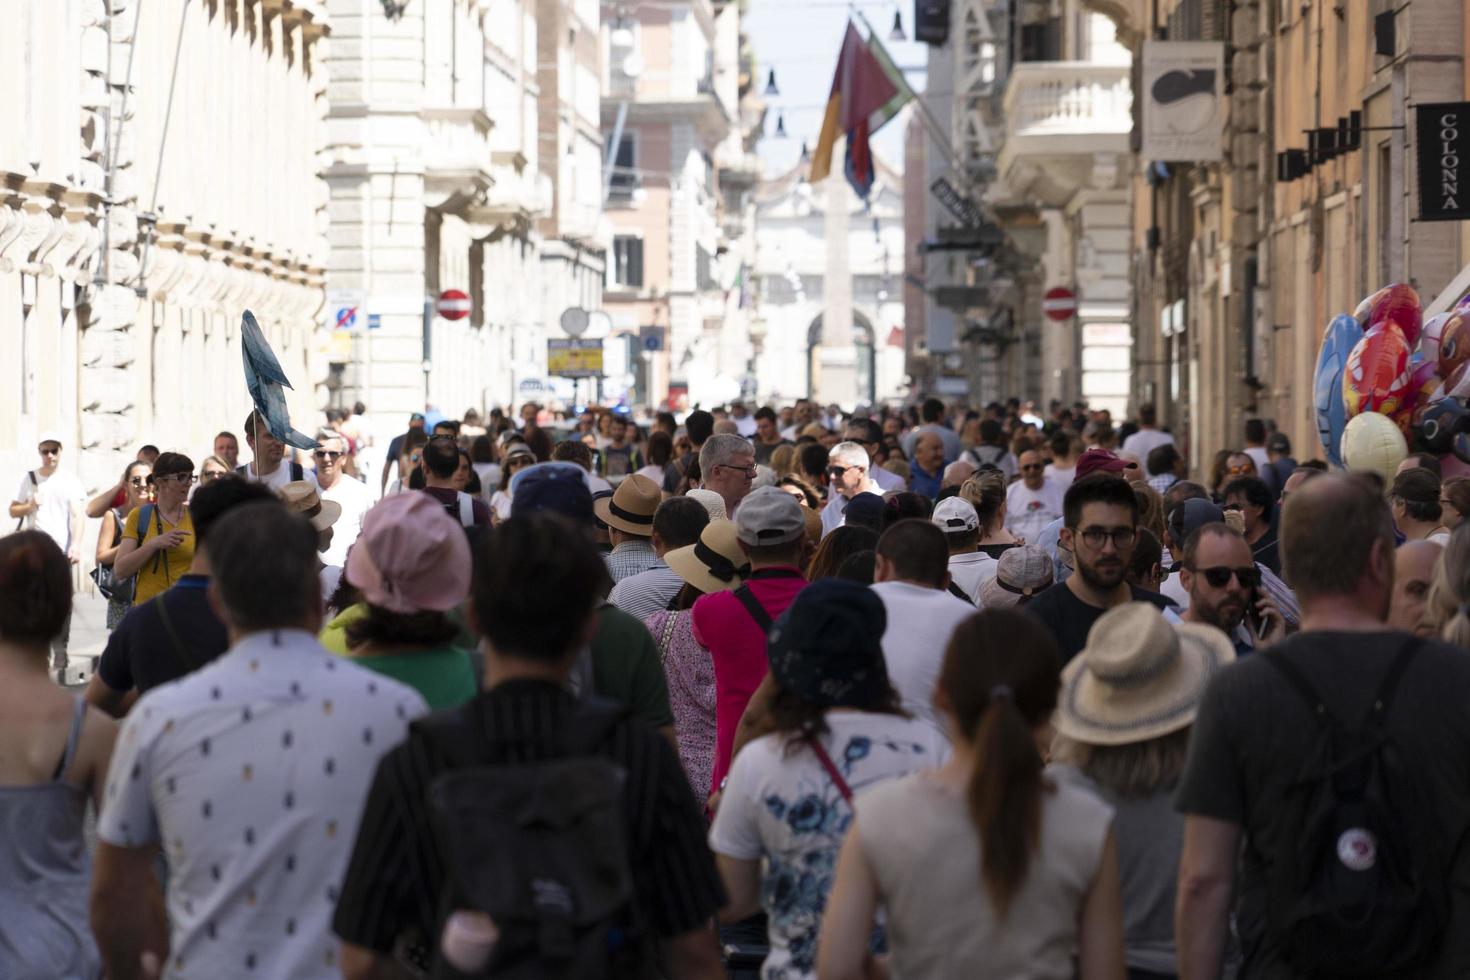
1337 342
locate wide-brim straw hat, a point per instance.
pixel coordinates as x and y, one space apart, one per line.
631 508
715 562
1139 677
302 498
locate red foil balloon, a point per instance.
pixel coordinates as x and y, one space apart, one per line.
1377 375
1398 303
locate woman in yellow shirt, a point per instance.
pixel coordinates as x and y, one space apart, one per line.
158 538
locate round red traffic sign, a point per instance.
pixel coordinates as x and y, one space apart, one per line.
1059 303
454 304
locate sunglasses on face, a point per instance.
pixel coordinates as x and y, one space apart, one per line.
837 472
211 475
1031 467
182 479
328 455
1096 537
1219 576
50 452
1240 470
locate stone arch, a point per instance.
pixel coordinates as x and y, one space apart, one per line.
864 338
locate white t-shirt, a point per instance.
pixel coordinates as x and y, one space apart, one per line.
970 571
1260 456
57 493
355 499
745 426
1145 441
279 478
1029 511
1061 477
783 807
920 622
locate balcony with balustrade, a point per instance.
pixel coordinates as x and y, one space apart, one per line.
1066 126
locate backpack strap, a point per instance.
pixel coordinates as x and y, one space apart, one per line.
753 606
298 472
1386 689
960 593
1396 671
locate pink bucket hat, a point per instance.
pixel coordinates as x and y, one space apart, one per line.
410 556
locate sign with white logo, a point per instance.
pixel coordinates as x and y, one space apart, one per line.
1444 159
1183 100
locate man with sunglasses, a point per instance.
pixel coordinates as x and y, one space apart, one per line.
1100 529
50 500
1033 501
847 476
350 494
1224 586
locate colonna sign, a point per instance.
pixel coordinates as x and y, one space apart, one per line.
1444 161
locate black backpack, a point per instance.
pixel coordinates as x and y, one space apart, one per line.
1360 888
542 849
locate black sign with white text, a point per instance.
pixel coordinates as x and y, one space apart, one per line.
1444 161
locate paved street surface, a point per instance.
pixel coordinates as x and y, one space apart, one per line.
88 636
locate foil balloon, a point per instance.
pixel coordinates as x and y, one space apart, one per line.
1337 342
1454 343
1424 386
1399 304
1377 374
1430 335
1373 442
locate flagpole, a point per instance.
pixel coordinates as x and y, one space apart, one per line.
931 122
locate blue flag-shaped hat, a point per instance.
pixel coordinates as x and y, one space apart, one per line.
264 378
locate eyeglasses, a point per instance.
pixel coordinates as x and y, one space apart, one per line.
747 470
1219 576
1096 537
183 479
328 455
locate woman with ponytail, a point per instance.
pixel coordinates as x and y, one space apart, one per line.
985 867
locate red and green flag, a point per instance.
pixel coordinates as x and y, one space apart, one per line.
867 91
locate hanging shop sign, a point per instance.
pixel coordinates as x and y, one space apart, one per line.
1444 161
1183 100
574 358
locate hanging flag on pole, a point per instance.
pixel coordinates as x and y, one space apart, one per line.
867 91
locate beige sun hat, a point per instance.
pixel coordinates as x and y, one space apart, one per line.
715 562
1139 677
632 507
711 502
302 498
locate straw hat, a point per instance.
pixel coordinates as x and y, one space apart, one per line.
1139 677
302 497
711 501
715 562
631 508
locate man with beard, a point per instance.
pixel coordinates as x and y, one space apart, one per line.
1100 528
1223 583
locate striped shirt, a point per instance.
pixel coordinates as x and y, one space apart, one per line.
633 556
396 880
646 593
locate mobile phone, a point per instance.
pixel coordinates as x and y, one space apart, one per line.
1260 624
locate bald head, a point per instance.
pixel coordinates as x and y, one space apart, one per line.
956 473
1298 476
929 452
1413 573
1337 540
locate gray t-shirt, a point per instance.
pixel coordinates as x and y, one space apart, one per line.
1253 734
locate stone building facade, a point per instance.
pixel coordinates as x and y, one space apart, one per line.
158 175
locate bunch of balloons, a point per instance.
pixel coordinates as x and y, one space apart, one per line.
1386 360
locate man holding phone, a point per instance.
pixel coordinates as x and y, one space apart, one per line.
1224 586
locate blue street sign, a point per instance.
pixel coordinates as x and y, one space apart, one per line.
375 321
653 342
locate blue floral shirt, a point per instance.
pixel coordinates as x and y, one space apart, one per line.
785 808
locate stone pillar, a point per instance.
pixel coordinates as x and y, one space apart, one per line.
837 365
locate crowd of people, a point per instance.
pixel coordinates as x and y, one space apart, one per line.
933 692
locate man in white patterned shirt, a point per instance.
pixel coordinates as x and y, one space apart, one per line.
250 773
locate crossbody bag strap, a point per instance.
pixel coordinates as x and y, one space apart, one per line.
21 521
666 635
832 771
752 605
168 627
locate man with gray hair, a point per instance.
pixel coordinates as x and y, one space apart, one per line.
847 476
727 466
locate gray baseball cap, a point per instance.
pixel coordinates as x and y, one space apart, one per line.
768 516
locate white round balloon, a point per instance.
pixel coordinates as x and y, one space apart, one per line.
1373 442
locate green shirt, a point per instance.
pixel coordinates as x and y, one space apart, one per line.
443 676
626 667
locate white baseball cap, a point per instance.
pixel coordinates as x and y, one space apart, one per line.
50 435
956 515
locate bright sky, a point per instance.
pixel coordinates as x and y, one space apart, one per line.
801 40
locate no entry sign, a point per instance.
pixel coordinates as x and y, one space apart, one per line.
1059 303
454 304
